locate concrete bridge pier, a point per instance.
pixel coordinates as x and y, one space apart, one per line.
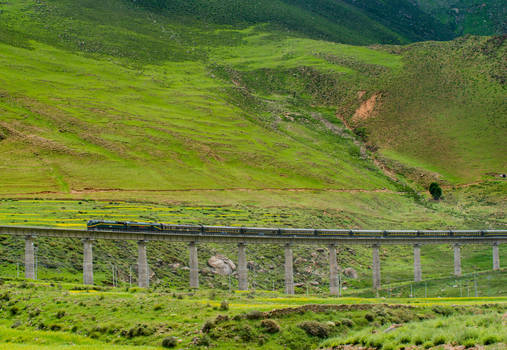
194 265
417 263
289 270
242 268
457 259
143 280
29 258
333 271
496 257
87 261
376 267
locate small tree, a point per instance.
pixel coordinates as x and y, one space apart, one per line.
435 191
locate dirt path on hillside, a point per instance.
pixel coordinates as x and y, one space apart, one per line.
232 189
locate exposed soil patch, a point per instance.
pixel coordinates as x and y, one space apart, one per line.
367 109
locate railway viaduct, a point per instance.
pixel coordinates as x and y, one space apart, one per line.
374 239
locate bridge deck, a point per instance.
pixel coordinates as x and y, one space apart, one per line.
375 236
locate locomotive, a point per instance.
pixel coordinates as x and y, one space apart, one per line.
128 226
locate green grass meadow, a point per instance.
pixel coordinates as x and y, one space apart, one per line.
61 315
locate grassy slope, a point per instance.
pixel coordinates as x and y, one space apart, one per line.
75 122
447 111
134 105
469 16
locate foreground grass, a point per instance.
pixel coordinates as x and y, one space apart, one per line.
61 315
467 330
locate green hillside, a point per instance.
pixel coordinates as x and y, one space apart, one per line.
469 16
110 96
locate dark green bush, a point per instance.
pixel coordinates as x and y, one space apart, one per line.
14 310
5 296
369 317
208 325
439 340
169 342
55 327
346 322
314 328
435 190
490 339
202 341
270 326
255 315
245 333
224 305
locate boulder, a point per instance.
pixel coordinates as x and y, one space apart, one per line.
350 273
221 265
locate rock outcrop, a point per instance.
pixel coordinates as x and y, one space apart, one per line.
221 265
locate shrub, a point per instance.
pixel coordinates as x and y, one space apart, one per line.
262 339
435 190
202 341
55 327
270 326
255 315
137 331
362 133
224 305
158 307
60 314
208 325
238 317
418 340
405 339
469 343
14 310
169 342
490 339
245 333
315 328
346 322
369 317
439 340
221 318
